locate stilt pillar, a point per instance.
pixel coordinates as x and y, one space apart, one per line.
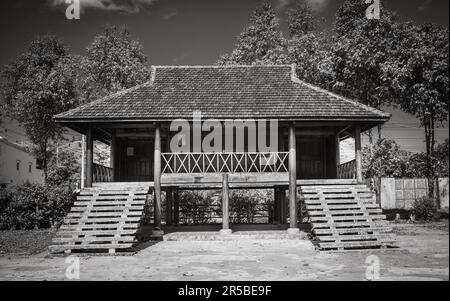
157 181
293 227
225 206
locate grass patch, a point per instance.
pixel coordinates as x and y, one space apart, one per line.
25 241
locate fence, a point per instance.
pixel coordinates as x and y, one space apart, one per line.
189 163
101 174
347 170
401 193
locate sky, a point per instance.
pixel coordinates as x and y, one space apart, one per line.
188 32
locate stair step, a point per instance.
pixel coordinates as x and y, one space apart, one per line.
339 202
350 238
62 248
91 239
344 212
64 233
107 208
353 218
110 197
354 245
318 232
342 207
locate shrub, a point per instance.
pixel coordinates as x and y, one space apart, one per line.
245 205
242 208
31 206
424 209
385 159
60 200
195 207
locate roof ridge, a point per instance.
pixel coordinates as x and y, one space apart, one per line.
295 79
15 145
217 66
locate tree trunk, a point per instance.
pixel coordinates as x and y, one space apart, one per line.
44 155
429 133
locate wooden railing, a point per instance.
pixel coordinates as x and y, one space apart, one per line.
189 163
102 174
347 170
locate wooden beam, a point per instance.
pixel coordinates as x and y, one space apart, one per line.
358 154
276 205
338 150
169 206
176 206
225 203
89 157
157 177
112 154
83 162
283 205
314 133
292 178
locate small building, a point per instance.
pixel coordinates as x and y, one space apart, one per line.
18 165
146 129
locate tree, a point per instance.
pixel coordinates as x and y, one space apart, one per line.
349 16
63 169
114 62
442 154
386 159
418 72
301 20
309 50
361 49
260 43
38 85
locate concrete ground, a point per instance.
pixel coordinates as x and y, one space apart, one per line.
423 255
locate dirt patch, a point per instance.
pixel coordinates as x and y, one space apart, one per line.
25 242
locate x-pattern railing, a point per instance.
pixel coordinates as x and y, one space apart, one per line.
189 163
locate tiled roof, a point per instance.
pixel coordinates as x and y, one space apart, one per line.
223 92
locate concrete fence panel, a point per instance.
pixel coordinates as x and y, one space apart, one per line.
387 193
401 193
443 192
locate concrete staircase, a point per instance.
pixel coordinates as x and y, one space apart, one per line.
102 220
345 216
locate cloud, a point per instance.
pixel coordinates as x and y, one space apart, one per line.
425 5
169 15
130 6
317 5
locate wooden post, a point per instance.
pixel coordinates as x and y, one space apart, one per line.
338 155
283 207
169 204
225 209
292 181
112 155
176 207
157 178
276 205
89 157
358 154
338 150
83 162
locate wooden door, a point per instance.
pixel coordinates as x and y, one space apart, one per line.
136 160
311 161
